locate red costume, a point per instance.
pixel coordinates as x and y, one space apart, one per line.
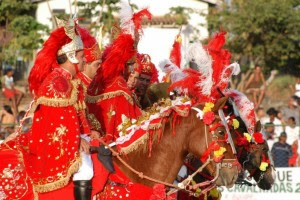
108 95
49 151
91 53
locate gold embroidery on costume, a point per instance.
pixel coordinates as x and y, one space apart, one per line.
45 186
57 137
60 102
110 113
109 95
94 122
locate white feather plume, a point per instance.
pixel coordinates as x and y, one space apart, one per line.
235 70
166 65
244 105
176 74
126 14
203 60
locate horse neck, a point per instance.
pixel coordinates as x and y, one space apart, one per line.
199 138
166 157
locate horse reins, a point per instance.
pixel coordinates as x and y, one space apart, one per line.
184 184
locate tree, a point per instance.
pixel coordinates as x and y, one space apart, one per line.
16 20
262 32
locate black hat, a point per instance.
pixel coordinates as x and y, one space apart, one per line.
283 134
272 111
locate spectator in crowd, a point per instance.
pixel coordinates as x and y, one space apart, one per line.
293 159
272 117
256 86
291 110
20 116
297 87
270 133
6 117
281 151
2 136
292 131
260 113
10 92
280 116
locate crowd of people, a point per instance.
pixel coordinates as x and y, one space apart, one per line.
283 132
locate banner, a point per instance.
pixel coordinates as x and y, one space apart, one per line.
286 187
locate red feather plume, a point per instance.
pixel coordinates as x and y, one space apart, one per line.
137 18
175 55
114 60
87 39
221 59
45 60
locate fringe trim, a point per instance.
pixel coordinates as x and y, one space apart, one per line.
60 102
109 95
135 145
155 126
60 183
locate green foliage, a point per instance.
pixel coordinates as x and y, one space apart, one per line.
16 18
11 8
87 10
263 32
181 14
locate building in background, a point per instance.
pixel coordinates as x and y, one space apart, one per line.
159 34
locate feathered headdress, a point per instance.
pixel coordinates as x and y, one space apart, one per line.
245 107
63 40
212 70
175 55
91 47
116 55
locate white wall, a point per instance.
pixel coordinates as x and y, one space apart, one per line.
162 7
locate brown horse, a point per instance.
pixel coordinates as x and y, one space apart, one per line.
251 159
168 154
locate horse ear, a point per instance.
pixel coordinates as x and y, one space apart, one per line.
257 127
220 103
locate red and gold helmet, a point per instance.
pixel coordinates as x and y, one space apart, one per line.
92 51
63 40
145 66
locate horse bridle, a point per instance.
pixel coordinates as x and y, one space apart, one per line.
210 183
236 113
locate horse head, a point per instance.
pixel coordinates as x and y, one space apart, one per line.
251 154
218 152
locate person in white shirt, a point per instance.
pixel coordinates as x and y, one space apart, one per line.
272 113
292 131
10 92
297 87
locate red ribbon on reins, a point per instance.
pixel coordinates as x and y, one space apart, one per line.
208 151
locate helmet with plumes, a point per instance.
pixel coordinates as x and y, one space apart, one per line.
145 66
122 50
63 40
91 48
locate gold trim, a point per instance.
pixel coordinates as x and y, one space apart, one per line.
94 122
60 183
109 95
136 144
60 102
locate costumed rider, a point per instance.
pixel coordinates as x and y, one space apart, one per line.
171 67
50 150
108 97
148 74
82 179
